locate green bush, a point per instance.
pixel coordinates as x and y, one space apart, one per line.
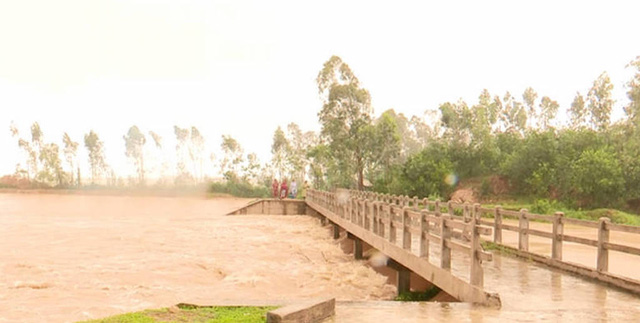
425 173
597 178
545 206
239 188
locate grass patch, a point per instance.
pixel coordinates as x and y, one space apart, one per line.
490 246
549 207
504 251
239 189
616 216
184 313
418 296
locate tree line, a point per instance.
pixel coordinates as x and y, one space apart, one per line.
516 139
46 164
520 141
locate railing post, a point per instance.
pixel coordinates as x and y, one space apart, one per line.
445 237
354 210
477 273
436 209
603 237
523 234
450 208
358 202
367 215
425 202
415 203
381 214
374 217
476 211
406 224
558 231
465 212
392 227
497 225
424 234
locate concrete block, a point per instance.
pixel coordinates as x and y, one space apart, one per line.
306 312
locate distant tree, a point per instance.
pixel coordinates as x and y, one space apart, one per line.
529 97
600 101
548 111
96 154
182 137
385 147
32 157
457 118
233 154
578 112
52 172
134 142
251 169
70 152
633 109
422 134
299 144
345 113
196 152
513 115
157 139
280 151
37 138
157 155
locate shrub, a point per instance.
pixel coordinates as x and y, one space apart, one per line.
239 188
597 177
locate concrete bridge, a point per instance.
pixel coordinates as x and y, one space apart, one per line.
440 242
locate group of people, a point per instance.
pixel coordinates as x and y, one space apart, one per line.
282 190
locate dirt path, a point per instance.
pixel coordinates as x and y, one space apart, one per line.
67 257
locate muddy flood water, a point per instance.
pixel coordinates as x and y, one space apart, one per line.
65 258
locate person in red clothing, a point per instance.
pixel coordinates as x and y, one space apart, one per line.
275 188
284 189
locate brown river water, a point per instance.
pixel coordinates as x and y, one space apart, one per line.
65 258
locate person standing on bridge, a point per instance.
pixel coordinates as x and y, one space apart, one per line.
284 190
275 189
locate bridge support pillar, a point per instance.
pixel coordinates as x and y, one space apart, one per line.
323 220
336 231
357 246
404 276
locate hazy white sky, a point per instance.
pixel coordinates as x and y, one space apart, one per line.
244 67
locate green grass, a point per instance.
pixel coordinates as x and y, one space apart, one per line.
184 313
488 245
546 207
418 296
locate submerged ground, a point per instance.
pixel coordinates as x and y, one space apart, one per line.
67 258
72 257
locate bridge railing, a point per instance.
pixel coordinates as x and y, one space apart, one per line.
556 234
386 216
